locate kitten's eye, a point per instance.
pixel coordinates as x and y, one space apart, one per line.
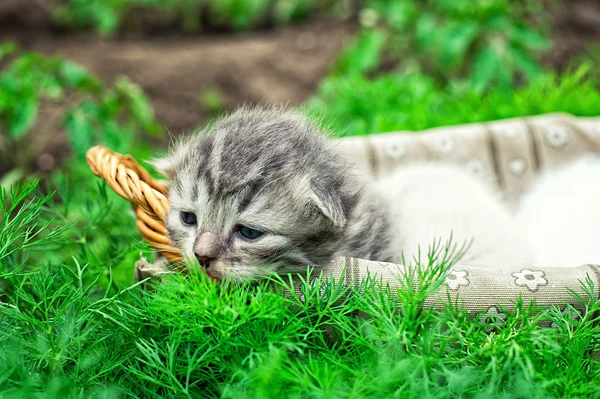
250 234
188 218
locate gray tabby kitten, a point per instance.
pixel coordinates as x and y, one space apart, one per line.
264 191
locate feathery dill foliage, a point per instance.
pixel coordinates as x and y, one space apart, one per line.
67 333
18 216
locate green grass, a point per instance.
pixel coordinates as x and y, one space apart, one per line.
72 324
357 105
64 333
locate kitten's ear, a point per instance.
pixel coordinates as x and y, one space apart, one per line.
165 166
329 204
168 164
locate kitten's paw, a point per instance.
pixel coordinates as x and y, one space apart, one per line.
145 269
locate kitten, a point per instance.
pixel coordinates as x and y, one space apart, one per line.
441 200
264 191
560 214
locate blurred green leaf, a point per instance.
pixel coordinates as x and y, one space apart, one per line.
399 14
23 116
108 19
80 131
363 55
486 69
77 76
459 36
212 100
451 40
528 38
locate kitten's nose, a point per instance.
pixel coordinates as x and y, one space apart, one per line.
204 260
207 248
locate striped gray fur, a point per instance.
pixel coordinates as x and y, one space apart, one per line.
271 170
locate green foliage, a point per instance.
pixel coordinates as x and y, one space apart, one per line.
28 80
356 105
20 226
71 100
104 234
54 340
107 16
488 43
242 14
63 334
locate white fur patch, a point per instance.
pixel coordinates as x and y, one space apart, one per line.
561 214
430 202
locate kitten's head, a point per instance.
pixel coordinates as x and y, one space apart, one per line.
261 191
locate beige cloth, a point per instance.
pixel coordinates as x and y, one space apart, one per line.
481 292
508 153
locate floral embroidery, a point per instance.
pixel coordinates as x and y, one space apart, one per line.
444 144
395 150
532 279
570 313
476 166
517 166
457 278
494 316
557 136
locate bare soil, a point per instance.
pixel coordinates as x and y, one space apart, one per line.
576 31
282 66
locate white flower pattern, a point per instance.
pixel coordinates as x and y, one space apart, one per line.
476 166
517 166
533 279
456 278
395 150
557 136
494 317
444 144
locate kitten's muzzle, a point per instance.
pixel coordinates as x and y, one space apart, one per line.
207 248
204 261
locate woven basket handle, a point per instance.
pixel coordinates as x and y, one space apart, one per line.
147 195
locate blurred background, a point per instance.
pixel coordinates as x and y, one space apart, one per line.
126 73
